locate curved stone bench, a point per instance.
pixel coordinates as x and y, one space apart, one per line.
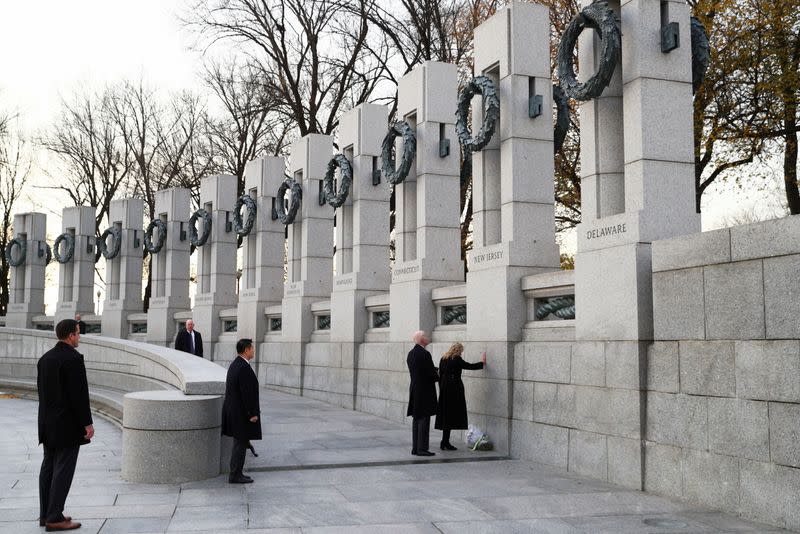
170 432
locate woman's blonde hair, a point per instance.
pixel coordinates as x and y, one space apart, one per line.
456 349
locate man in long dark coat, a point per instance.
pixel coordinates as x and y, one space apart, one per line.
422 393
65 423
241 411
189 340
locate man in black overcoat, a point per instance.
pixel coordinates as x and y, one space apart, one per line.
81 324
189 340
65 423
241 411
422 393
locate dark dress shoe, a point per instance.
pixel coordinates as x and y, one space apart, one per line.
42 521
247 477
447 447
240 480
414 452
426 453
61 525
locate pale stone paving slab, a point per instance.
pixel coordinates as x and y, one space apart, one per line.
401 494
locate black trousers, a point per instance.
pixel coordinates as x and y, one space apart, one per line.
237 457
420 433
55 479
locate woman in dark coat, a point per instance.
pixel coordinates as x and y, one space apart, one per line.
452 410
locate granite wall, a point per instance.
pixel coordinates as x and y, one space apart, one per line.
723 375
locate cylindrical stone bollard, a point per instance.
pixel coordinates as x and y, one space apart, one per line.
169 437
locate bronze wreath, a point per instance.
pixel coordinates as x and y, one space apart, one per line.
149 246
491 113
70 240
194 239
287 217
346 172
400 128
20 242
113 252
244 228
602 18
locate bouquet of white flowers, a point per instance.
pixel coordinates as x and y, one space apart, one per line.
477 439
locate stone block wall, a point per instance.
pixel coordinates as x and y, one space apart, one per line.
377 381
576 408
723 375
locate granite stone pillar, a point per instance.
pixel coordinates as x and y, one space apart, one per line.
216 260
124 272
261 283
513 197
362 230
613 281
362 226
427 230
26 282
170 267
76 277
309 250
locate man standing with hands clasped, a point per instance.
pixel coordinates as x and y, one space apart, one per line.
422 393
241 411
189 340
65 423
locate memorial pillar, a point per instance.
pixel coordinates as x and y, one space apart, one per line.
427 229
124 271
652 134
513 197
216 260
26 282
362 226
261 283
170 267
76 277
362 244
309 253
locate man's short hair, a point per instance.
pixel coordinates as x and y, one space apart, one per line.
65 328
242 345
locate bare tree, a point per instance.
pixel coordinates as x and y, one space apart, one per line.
93 162
299 50
15 165
163 138
251 125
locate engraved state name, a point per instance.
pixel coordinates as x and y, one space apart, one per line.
488 256
607 230
406 270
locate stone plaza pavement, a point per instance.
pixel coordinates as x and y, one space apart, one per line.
324 470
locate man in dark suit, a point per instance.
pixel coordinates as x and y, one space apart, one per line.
422 393
241 410
65 423
81 324
189 340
